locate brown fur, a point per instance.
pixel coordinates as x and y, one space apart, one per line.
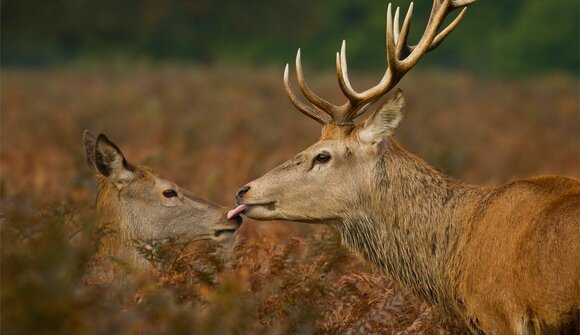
503 259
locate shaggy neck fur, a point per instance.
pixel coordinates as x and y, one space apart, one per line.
410 230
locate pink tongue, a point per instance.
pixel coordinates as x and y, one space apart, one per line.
236 211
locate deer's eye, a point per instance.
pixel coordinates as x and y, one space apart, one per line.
322 158
169 193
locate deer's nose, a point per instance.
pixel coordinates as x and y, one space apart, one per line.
241 192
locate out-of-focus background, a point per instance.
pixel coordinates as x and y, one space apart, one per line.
519 37
194 90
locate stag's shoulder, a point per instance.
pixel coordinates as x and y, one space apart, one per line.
546 186
532 195
553 183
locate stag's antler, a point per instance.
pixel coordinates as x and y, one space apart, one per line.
401 57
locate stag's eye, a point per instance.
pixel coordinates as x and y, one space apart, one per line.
169 193
322 158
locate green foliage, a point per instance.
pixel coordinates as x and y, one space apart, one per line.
542 38
501 38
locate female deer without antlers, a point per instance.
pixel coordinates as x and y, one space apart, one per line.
137 205
503 259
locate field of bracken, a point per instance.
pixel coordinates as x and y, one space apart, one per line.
211 130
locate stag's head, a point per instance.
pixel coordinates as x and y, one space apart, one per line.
145 206
318 182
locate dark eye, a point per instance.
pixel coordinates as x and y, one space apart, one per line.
169 193
322 158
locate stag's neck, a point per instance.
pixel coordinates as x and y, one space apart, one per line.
407 222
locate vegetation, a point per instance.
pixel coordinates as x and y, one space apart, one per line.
254 286
518 37
211 130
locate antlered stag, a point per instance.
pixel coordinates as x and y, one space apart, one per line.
137 205
505 260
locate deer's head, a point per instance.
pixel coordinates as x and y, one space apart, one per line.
148 207
326 178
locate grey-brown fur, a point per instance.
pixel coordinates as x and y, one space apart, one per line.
133 206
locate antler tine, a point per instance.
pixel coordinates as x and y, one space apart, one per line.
389 78
402 38
391 50
384 85
342 72
312 113
396 25
317 101
431 39
441 36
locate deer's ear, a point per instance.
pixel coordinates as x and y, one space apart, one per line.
89 141
385 120
110 162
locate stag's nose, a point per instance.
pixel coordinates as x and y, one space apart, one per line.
240 194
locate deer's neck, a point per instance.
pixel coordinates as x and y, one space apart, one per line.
115 242
405 222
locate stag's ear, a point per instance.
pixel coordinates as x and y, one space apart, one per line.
385 120
110 162
89 141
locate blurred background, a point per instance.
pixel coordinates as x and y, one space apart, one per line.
521 37
194 90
